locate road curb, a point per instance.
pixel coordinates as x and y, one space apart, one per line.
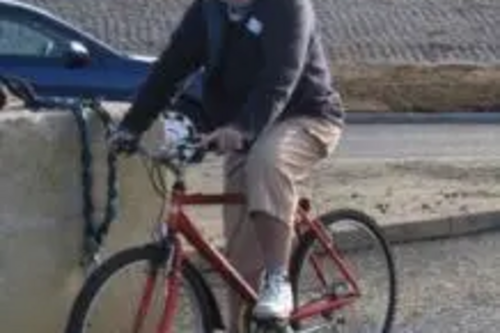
440 228
424 230
361 117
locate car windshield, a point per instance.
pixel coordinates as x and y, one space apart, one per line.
18 37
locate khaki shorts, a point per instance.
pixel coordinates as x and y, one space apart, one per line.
268 175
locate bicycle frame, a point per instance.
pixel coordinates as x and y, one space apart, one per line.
180 224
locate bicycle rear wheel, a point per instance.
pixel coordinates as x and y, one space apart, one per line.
127 294
368 257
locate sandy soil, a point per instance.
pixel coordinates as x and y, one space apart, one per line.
424 88
393 191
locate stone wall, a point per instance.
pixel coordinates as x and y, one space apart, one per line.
40 217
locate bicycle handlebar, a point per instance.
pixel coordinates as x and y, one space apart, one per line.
171 158
175 159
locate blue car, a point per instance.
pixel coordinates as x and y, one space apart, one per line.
58 59
61 60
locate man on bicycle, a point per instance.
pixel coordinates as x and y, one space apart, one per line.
266 82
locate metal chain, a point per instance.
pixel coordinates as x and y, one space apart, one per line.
112 185
94 233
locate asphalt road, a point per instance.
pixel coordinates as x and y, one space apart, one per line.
382 141
450 286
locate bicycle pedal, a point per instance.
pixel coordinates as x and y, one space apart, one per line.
340 289
272 325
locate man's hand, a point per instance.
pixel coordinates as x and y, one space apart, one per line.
123 141
225 139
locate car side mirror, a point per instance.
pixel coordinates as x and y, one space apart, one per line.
76 56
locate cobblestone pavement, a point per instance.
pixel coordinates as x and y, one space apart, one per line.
374 31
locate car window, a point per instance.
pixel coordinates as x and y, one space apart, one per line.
23 38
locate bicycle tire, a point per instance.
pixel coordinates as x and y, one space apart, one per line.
299 259
151 253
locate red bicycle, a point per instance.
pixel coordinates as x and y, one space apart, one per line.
342 271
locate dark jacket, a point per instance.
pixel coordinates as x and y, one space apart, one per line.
267 67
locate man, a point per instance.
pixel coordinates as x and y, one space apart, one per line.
267 82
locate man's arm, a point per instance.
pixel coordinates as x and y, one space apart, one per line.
286 33
184 54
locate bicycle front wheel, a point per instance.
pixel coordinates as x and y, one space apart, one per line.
128 292
363 250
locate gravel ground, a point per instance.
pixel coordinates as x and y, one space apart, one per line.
450 286
410 190
393 191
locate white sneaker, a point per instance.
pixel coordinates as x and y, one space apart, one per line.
275 298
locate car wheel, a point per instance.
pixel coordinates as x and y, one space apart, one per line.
3 98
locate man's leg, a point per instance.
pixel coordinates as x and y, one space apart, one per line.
281 158
241 244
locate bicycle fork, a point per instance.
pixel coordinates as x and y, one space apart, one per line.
171 264
171 288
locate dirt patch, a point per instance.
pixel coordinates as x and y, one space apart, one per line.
396 191
419 88
393 191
